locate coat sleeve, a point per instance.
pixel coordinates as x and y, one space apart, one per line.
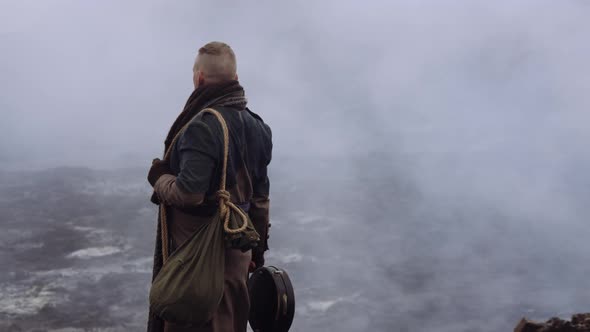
260 203
170 194
197 151
198 154
259 214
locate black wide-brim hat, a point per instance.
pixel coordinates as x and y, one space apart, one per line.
272 300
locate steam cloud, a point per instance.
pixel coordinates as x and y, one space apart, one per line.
432 155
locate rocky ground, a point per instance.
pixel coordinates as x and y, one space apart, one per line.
578 323
366 251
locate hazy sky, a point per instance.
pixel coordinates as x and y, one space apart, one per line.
98 83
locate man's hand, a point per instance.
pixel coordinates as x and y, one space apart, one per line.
251 267
159 168
155 199
257 259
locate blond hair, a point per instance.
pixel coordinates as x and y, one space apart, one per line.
217 62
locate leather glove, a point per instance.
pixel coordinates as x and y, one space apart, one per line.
258 257
251 267
159 168
155 199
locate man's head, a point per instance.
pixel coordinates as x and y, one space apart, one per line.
215 63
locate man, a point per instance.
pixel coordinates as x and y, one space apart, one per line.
188 181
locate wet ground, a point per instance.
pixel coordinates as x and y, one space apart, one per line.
365 253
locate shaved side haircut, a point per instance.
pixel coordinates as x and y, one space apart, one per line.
217 62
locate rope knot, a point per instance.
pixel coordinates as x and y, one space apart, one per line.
225 206
223 195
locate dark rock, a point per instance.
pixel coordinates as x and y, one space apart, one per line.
578 323
526 325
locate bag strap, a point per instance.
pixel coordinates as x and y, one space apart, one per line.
223 196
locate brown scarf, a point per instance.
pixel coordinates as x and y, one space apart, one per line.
229 93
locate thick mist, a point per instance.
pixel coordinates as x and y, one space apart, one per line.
431 158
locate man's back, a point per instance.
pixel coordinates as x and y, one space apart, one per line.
200 147
199 152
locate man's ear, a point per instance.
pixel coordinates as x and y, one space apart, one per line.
201 78
195 79
237 77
